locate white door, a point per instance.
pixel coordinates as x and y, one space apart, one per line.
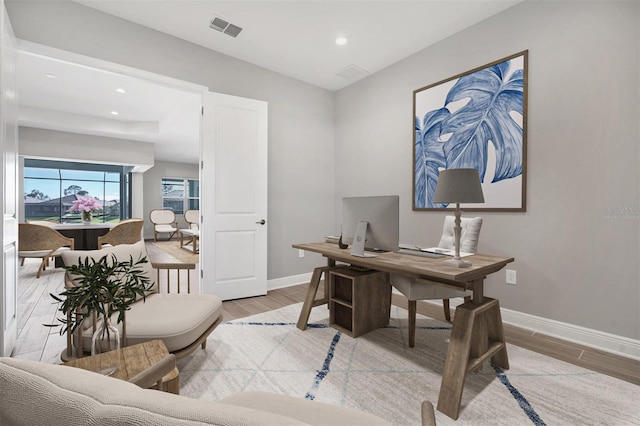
233 194
9 143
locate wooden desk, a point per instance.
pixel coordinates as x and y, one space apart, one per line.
477 332
133 360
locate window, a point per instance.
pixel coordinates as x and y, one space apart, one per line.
51 187
180 194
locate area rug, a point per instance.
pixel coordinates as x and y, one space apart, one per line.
172 248
378 373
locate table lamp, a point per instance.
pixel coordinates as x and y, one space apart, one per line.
458 186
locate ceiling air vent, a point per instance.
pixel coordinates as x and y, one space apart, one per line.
223 26
352 72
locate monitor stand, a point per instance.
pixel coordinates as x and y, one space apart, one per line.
357 248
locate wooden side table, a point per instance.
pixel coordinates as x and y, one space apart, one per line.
133 360
193 236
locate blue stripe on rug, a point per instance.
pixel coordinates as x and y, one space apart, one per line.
522 401
325 368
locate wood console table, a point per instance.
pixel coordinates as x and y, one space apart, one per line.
477 332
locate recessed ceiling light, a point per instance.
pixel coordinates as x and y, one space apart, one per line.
341 41
48 75
121 90
114 112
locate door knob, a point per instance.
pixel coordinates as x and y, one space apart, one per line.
262 222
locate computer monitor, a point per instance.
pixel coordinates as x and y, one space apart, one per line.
371 223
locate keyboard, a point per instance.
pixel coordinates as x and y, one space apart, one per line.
421 253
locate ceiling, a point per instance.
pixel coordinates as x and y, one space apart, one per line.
64 96
295 38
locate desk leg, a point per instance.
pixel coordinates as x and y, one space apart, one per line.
476 335
309 301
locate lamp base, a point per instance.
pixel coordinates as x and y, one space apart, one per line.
458 263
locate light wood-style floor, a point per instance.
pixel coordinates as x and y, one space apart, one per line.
37 342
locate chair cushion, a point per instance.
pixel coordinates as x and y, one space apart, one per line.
34 253
165 228
416 289
470 233
42 253
177 319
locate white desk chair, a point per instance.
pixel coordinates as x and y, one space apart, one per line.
416 289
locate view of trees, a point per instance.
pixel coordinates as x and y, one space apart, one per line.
50 197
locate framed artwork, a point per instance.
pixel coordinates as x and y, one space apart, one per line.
478 120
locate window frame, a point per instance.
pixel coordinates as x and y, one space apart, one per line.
59 210
186 198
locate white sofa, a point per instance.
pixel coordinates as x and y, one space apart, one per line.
34 393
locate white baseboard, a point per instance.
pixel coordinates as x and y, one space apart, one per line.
601 340
288 281
608 342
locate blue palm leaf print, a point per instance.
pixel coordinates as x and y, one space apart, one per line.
429 156
486 117
460 139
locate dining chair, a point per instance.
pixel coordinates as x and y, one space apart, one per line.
415 289
42 242
164 221
128 231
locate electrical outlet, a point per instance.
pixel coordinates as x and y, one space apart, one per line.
300 253
511 276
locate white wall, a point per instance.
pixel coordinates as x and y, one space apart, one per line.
301 126
65 146
577 261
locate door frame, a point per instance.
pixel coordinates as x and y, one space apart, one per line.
10 206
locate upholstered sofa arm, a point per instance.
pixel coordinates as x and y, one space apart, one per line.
33 393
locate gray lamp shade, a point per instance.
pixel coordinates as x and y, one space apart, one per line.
458 186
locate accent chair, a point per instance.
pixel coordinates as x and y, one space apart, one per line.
164 221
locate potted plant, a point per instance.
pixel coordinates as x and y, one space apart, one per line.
102 287
85 205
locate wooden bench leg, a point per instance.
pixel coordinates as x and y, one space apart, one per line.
476 335
309 301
